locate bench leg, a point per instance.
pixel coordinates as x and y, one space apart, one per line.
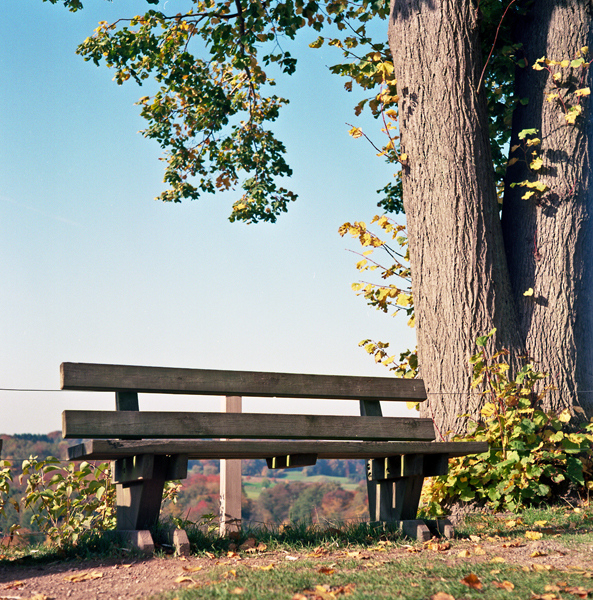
140 482
398 499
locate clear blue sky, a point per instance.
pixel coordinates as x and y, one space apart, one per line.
95 270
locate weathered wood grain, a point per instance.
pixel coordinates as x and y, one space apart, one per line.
209 449
122 378
162 425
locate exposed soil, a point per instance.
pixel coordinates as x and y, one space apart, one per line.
113 579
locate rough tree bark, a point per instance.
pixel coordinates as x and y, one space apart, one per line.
463 284
548 239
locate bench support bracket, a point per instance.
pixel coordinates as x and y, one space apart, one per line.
140 481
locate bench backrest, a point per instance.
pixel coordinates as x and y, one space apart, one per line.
127 422
167 380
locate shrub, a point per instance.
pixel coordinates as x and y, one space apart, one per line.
533 455
70 500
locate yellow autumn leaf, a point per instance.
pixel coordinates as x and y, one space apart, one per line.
572 114
533 535
565 416
442 596
464 554
512 161
403 157
355 132
533 142
536 164
192 569
269 567
552 97
498 559
238 591
529 292
504 585
184 579
583 92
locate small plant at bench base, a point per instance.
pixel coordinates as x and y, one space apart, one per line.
69 501
533 455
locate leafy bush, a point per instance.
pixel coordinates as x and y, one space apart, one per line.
533 455
69 500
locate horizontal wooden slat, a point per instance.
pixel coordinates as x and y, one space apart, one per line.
229 449
159 380
162 425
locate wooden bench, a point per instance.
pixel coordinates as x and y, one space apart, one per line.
149 448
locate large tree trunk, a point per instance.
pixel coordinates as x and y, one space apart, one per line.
548 239
461 283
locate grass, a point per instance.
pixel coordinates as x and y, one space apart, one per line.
540 554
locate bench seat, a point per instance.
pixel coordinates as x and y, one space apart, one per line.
253 449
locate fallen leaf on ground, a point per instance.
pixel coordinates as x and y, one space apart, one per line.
544 597
442 596
439 546
534 535
238 591
464 554
504 585
40 597
479 551
265 568
229 574
475 538
249 543
510 524
184 579
540 523
14 585
192 569
232 554
498 559
288 557
538 553
537 567
326 570
513 544
84 576
209 555
472 581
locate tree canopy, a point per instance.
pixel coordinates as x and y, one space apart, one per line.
456 86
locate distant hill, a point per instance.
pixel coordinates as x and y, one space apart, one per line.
329 491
